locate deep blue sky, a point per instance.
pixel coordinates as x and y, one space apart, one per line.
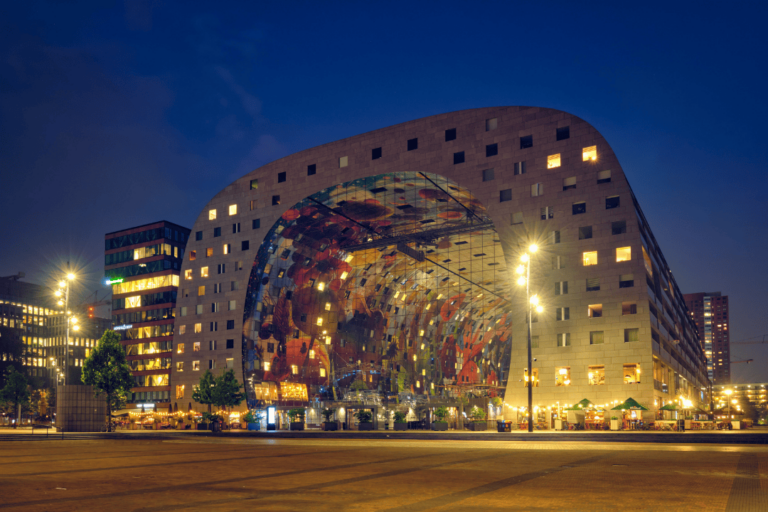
118 115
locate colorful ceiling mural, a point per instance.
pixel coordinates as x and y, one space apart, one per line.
334 304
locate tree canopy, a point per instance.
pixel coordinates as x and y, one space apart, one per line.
107 371
222 391
203 392
16 390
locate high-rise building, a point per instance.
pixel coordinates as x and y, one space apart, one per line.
709 311
142 265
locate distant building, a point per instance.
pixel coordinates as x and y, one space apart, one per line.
755 392
81 342
142 265
710 313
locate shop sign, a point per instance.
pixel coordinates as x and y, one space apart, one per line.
114 281
122 327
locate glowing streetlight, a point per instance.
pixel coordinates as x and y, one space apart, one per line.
533 248
524 271
64 290
71 277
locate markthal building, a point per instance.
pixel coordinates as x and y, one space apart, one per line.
381 269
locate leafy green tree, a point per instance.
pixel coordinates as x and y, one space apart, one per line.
11 352
226 390
203 392
107 371
15 391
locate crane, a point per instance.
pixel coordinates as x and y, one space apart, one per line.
748 342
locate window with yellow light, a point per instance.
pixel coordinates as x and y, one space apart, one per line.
589 258
589 153
623 254
553 161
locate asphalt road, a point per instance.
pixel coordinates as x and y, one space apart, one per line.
217 474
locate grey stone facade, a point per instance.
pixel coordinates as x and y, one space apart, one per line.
77 410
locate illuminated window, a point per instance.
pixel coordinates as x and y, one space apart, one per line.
595 310
589 153
623 254
319 320
180 391
233 209
195 366
312 354
209 252
344 161
589 258
188 275
180 366
631 374
182 329
254 184
322 372
596 338
204 272
534 378
294 369
631 335
227 248
199 309
200 291
327 306
192 255
180 348
596 375
564 339
196 346
133 302
563 376
198 328
553 161
211 214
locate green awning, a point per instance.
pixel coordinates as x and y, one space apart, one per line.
580 406
630 405
669 407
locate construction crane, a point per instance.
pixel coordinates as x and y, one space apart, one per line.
744 361
747 342
91 305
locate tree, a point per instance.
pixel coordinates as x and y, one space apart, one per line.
107 371
15 391
203 393
11 352
226 390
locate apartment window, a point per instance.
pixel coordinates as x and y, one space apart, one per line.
221 268
561 288
214 326
553 161
236 227
595 310
275 200
491 124
564 339
196 346
517 218
230 325
596 375
626 281
450 134
188 274
182 330
631 335
204 272
623 254
200 291
413 144
534 377
192 255
198 328
179 389
212 345
611 202
179 348
230 344
619 227
585 232
232 305
344 161
563 376
180 366
593 284
563 133
562 314
233 209
216 232
537 189
198 235
217 288
569 183
245 245
458 158
281 177
526 142
254 184
375 153
271 348
199 309
632 373
208 252
628 308
488 174
520 168
254 204
195 366
227 248
558 262
547 212
311 170
230 363
211 214
596 338
491 150
589 153
211 364
580 207
235 285
214 307
589 258
183 311
603 177
505 195
256 224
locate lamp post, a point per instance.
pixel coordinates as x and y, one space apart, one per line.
729 392
533 302
64 290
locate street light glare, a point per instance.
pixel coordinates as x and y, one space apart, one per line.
533 248
524 258
62 284
535 300
539 309
520 270
58 293
70 276
74 320
60 303
77 327
521 281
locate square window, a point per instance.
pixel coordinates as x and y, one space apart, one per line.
311 170
198 235
211 214
491 150
198 328
216 232
563 314
537 189
631 374
611 202
585 233
580 207
596 375
628 308
593 284
254 184
458 158
488 174
589 153
547 212
558 262
275 200
563 133
564 339
281 177
344 161
631 335
375 153
195 366
245 245
603 177
569 183
596 338
256 224
517 218
230 325
589 258
623 254
553 161
505 195
413 144
563 376
520 168
526 142
450 134
626 281
595 310
491 124
233 209
619 227
554 237
561 288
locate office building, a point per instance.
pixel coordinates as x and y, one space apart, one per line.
709 311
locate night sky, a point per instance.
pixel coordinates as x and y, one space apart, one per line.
116 116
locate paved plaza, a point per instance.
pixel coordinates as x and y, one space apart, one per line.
231 473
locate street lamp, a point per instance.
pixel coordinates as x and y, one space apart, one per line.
524 271
64 290
729 392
